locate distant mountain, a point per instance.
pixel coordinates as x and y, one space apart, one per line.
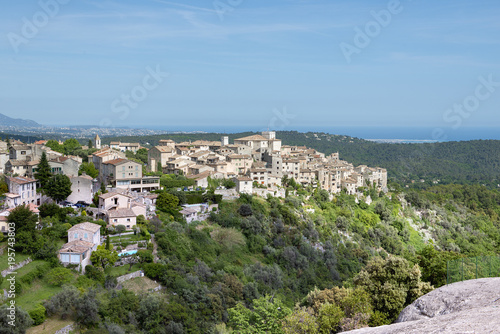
8 121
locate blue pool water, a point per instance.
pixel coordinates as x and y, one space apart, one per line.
128 253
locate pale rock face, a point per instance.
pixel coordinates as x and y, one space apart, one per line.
465 307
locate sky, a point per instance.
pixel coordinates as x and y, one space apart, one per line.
281 64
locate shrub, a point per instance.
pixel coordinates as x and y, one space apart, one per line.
94 274
330 316
59 276
38 314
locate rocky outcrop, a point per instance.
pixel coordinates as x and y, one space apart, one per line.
464 307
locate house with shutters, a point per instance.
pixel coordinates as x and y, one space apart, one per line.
83 239
22 191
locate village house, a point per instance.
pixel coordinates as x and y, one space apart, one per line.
239 164
117 208
82 189
127 174
22 191
201 180
83 238
133 147
65 165
158 156
244 184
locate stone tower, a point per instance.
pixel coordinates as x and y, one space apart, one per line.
97 142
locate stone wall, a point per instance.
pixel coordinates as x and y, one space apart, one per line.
124 278
17 266
65 330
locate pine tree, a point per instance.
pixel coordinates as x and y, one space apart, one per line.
43 173
90 145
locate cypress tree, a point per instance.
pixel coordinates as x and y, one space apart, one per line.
43 173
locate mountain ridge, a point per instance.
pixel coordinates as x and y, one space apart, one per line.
9 121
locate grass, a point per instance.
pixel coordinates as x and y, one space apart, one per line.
4 263
37 291
50 326
140 284
122 270
35 294
24 270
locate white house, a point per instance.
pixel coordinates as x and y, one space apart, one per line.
81 189
244 184
22 191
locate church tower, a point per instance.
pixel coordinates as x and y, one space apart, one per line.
97 142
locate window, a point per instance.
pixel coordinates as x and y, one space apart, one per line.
75 258
76 235
85 236
65 258
128 220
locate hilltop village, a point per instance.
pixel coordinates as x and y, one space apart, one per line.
257 164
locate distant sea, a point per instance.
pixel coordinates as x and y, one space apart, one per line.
379 134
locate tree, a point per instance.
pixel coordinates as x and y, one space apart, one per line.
71 145
120 229
167 202
50 210
23 218
3 187
329 317
59 276
63 303
266 317
87 309
433 264
14 324
59 187
89 169
90 144
392 284
145 256
108 243
103 258
44 172
55 146
300 321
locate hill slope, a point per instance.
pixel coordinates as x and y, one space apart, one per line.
9 121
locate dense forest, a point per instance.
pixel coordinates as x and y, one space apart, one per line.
309 263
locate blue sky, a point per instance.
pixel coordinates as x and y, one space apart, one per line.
259 64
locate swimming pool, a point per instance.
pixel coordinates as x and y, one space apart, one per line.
127 253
